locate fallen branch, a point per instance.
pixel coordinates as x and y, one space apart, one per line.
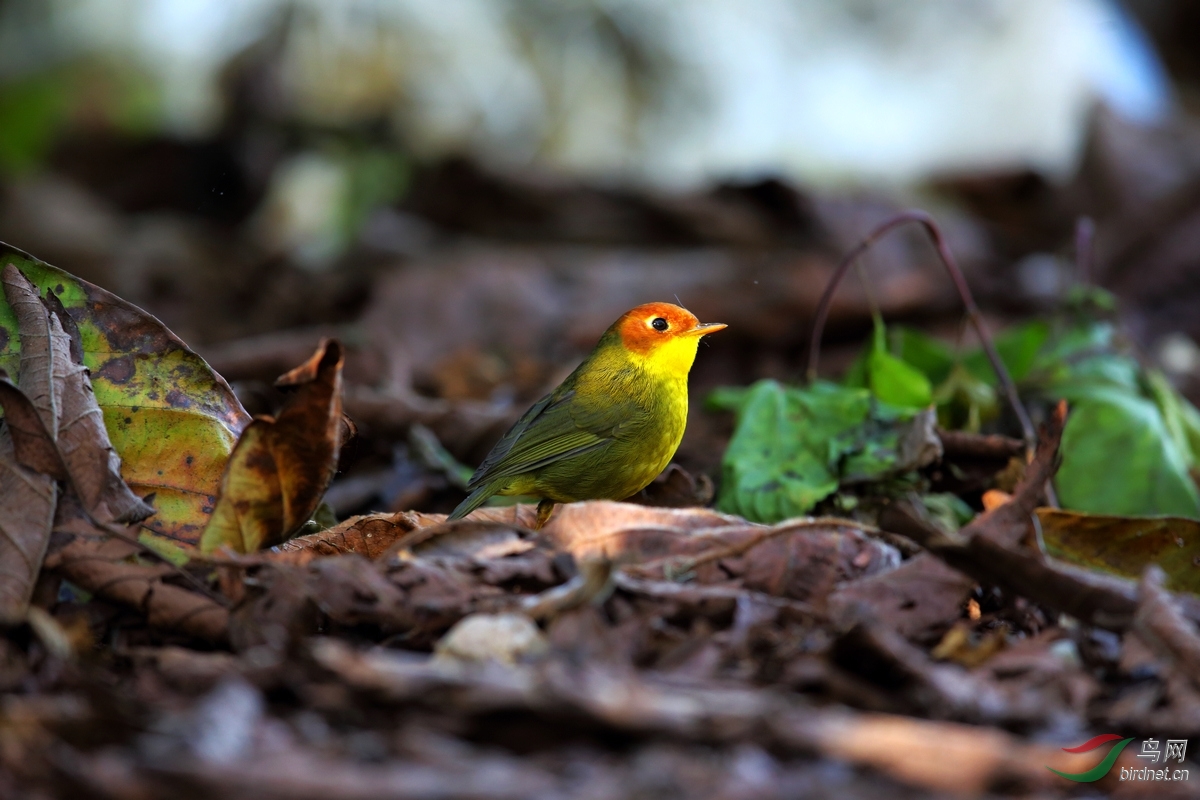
989 550
961 444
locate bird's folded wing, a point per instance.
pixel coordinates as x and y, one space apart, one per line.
554 429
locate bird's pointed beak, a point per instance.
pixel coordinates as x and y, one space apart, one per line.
705 328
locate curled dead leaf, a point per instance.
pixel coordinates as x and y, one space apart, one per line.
369 535
280 467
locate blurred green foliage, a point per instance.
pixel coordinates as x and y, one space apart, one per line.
1130 447
33 111
794 446
88 93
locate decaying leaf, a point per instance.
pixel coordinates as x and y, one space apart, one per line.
368 535
32 445
27 500
45 349
61 392
1125 546
171 419
921 595
801 559
466 539
102 566
280 467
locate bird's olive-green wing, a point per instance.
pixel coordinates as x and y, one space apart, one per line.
553 429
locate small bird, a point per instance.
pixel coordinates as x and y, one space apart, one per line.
610 427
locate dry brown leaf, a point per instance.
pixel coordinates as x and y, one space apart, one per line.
411 532
920 595
280 467
800 559
102 567
626 531
32 445
417 599
27 500
471 539
369 535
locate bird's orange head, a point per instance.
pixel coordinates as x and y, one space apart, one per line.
662 336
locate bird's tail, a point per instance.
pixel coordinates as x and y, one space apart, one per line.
474 500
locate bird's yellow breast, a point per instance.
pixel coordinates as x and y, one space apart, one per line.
644 446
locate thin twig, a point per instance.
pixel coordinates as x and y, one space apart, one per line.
960 283
696 592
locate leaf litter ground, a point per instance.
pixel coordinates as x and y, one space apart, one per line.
622 651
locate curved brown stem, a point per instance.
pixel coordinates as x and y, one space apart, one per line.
960 284
1085 237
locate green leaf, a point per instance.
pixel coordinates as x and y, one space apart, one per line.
1180 417
726 398
1018 349
793 447
855 376
947 510
964 401
33 111
893 381
770 470
933 358
1069 342
1119 458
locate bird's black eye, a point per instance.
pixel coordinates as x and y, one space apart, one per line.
659 324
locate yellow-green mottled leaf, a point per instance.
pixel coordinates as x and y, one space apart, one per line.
172 419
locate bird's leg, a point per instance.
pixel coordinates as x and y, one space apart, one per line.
545 509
